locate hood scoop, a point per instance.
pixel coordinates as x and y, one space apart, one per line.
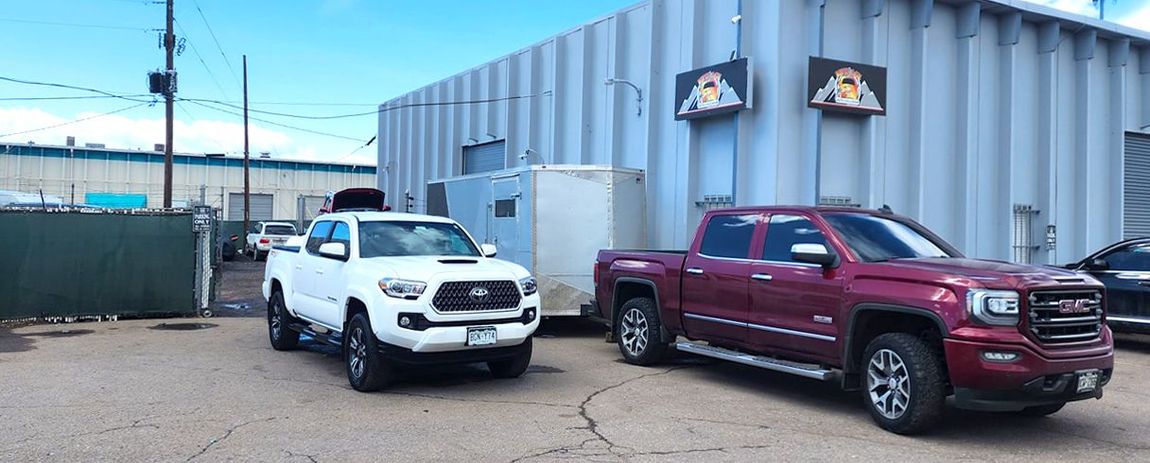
458 261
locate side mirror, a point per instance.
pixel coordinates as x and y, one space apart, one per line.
488 250
812 253
333 251
1096 265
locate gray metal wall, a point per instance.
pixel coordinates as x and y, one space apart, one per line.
990 103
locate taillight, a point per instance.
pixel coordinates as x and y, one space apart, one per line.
265 241
596 273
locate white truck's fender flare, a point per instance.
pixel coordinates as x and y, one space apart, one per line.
368 300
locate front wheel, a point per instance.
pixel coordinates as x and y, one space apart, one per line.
1040 411
367 370
513 367
639 332
905 383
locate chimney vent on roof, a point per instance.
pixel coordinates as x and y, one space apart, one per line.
70 141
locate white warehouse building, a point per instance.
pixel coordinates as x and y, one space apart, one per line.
1014 130
127 178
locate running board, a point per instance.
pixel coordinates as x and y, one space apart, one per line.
800 369
333 338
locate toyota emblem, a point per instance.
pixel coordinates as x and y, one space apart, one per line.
479 294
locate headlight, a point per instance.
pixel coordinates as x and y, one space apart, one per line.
529 286
405 289
993 307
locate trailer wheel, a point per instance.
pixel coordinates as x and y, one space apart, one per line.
638 331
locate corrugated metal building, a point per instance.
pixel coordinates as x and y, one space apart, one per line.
120 178
1004 120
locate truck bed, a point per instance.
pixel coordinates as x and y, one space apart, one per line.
661 270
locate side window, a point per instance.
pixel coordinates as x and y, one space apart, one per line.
785 231
1134 258
504 208
341 234
319 234
255 228
729 235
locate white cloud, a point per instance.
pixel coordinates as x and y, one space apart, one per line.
1082 7
1139 19
197 136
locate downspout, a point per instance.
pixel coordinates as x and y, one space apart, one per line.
735 145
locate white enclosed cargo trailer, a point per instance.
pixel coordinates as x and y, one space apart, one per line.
551 219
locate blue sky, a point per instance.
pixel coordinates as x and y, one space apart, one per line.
331 51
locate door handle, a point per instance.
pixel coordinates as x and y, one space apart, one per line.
1144 283
762 277
319 271
299 267
695 271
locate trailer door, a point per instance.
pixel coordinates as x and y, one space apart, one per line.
505 215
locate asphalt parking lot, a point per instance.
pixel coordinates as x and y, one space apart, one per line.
127 391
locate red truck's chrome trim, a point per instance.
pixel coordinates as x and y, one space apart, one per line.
771 329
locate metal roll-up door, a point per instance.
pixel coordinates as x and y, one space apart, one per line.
311 205
262 207
1136 186
484 158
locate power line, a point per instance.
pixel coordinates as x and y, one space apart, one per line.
380 110
72 87
301 129
211 74
217 41
84 97
89 26
74 121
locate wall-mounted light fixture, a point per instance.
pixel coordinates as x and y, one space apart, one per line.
493 137
639 91
529 152
472 140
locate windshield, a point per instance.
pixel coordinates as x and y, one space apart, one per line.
877 239
279 230
381 239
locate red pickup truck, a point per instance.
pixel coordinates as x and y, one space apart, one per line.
868 298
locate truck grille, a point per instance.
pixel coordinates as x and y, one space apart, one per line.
1065 316
476 296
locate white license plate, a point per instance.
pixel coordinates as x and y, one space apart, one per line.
482 336
1087 381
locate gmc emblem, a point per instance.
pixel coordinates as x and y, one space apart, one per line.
1071 306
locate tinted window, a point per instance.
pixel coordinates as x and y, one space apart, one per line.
729 235
505 208
1131 258
785 231
875 238
377 239
341 234
279 230
319 234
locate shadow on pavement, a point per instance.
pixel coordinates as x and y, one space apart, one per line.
11 342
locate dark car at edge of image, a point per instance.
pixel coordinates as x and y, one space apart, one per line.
1124 268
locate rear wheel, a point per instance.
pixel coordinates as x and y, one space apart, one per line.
513 367
639 332
279 332
1041 410
905 389
367 370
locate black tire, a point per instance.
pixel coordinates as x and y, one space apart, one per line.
1040 411
639 333
260 256
513 367
901 358
280 333
367 370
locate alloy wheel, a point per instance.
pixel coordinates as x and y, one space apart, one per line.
277 319
888 383
357 352
634 332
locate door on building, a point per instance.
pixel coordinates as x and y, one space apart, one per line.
263 206
715 279
487 157
504 217
1136 186
793 304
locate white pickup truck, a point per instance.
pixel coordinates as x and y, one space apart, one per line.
395 289
264 235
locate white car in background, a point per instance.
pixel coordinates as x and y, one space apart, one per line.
264 235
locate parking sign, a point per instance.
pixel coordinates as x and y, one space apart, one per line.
202 218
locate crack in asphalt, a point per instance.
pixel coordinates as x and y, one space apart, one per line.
311 458
593 425
226 435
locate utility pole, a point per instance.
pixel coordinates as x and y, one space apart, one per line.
247 160
169 93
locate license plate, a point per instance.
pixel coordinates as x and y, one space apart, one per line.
1087 381
481 336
